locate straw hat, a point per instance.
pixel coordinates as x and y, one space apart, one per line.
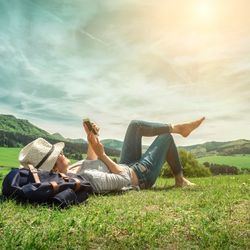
41 154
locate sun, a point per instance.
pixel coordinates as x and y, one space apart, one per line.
204 10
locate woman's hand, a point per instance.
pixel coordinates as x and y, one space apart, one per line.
96 145
91 155
98 149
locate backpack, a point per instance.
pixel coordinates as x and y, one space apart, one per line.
40 186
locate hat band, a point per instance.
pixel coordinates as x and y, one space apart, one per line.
45 157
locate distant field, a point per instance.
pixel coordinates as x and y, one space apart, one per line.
242 161
9 157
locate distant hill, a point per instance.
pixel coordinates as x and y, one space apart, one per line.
240 146
116 144
112 143
18 132
10 123
61 138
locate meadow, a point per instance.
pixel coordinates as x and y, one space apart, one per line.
9 157
241 161
212 215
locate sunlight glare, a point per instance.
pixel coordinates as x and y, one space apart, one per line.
204 10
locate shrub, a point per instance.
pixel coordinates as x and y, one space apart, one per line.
191 167
223 169
245 171
217 169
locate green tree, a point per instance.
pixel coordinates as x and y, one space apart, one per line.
191 167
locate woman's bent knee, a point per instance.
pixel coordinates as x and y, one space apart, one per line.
134 123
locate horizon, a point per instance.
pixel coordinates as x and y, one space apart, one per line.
114 61
122 140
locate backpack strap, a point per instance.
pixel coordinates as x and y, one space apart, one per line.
55 186
77 181
64 176
34 173
77 184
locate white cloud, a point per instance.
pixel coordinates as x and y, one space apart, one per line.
62 64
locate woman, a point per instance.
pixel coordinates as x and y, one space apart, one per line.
134 168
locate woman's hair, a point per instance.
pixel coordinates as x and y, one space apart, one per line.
54 169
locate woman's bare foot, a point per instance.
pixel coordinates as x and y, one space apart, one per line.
180 181
186 128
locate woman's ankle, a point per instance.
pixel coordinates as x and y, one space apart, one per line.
181 181
175 129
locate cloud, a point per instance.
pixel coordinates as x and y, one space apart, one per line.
114 61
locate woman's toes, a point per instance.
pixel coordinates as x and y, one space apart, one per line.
184 183
187 128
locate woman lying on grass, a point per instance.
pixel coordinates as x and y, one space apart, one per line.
134 168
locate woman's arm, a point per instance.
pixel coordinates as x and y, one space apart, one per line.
99 151
91 155
113 167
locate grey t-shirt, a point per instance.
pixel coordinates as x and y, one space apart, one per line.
100 177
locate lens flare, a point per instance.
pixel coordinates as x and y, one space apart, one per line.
204 10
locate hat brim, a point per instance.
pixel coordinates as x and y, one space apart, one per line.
50 162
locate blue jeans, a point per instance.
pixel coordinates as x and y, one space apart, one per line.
148 166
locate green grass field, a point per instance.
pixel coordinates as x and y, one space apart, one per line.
212 215
9 157
242 161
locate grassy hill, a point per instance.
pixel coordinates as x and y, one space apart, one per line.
9 123
111 143
212 215
241 146
241 161
116 144
18 133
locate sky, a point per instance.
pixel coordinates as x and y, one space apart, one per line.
117 60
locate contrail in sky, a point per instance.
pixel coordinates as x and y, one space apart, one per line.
61 21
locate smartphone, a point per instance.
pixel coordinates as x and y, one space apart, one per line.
89 125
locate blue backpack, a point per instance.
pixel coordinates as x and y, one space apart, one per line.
41 186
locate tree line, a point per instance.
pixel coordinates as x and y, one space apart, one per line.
72 150
223 169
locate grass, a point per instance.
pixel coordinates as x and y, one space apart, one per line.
213 215
241 161
9 157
